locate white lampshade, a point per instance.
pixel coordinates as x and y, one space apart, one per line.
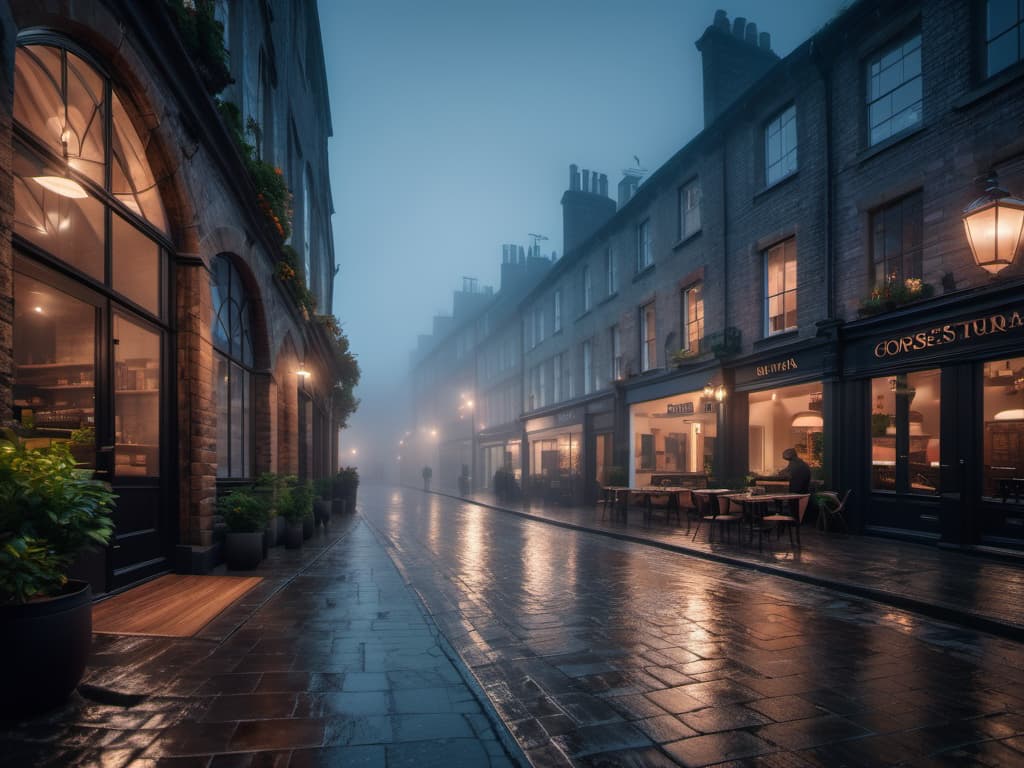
808 420
1011 414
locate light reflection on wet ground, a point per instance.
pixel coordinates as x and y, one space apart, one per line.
598 651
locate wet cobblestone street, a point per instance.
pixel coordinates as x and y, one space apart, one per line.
604 652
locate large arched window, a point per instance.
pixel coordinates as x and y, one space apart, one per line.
307 227
232 343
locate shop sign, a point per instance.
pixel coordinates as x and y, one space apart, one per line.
568 417
797 364
962 331
778 366
680 409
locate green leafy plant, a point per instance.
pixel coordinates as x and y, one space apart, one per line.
879 424
49 512
83 436
296 502
203 38
892 293
244 511
685 355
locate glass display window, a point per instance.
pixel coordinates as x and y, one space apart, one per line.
786 417
673 436
1003 438
905 432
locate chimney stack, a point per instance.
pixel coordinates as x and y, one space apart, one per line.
734 58
585 207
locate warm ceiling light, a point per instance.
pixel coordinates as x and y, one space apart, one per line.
808 420
38 309
1012 414
61 185
994 224
302 371
709 390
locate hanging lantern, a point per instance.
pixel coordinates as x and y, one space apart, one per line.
994 224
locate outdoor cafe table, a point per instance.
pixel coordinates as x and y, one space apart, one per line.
753 505
712 494
648 492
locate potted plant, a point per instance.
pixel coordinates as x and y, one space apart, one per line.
50 511
346 487
268 485
295 503
324 487
245 515
82 442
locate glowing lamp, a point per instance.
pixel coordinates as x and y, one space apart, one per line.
994 224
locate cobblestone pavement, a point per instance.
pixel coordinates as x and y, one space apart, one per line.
330 661
602 652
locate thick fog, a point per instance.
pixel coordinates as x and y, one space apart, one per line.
455 122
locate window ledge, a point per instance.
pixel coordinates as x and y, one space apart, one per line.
776 184
643 272
608 298
583 314
776 340
995 83
684 240
869 152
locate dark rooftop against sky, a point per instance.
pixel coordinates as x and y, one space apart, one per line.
455 122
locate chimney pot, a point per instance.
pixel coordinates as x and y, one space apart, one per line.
604 185
765 41
738 25
574 177
586 179
721 20
750 34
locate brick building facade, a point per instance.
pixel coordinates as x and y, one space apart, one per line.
147 314
731 305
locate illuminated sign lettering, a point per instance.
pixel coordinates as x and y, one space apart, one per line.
779 366
949 333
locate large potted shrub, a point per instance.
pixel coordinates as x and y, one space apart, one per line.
268 486
245 514
50 511
295 503
347 486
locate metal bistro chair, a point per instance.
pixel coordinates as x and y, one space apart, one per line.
790 520
830 510
715 512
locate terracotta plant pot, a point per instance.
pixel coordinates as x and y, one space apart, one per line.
44 645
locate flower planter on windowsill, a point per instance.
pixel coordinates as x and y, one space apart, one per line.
893 295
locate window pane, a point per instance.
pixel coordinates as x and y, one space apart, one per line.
236 437
1004 432
54 368
132 179
923 398
883 435
84 130
136 399
37 93
136 265
221 382
68 228
894 93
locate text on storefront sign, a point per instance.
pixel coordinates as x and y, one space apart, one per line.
679 409
949 333
779 366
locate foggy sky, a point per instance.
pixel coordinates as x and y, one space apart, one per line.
455 122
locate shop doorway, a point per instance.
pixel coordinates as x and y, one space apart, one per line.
89 373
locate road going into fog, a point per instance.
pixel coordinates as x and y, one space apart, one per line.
597 651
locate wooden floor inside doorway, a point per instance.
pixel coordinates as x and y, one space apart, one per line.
170 606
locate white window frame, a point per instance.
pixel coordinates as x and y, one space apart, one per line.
610 275
689 209
557 394
616 356
693 294
787 287
588 367
558 311
780 146
648 337
644 257
588 294
893 79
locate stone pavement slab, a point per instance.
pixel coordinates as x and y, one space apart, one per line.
978 590
330 661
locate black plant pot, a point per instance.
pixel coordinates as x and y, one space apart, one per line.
44 646
269 537
293 536
338 506
322 512
307 527
281 526
244 551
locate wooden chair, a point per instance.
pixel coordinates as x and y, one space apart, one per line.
830 510
687 505
790 519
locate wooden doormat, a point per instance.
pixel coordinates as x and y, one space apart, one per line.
171 606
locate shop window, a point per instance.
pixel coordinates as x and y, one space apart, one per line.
780 287
233 359
644 258
896 241
787 417
1003 472
894 101
648 338
693 317
905 432
780 146
1004 35
136 399
673 438
689 209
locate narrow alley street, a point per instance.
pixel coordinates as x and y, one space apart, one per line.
602 652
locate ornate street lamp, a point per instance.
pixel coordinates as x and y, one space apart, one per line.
994 224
